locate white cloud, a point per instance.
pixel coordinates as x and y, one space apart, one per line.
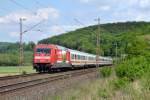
87 1
57 29
14 34
144 3
41 14
45 13
104 8
142 17
47 32
71 27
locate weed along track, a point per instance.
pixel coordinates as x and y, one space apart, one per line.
8 80
16 88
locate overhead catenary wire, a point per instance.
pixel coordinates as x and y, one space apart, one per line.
4 9
21 37
22 32
37 2
8 11
22 6
90 30
46 25
79 22
16 22
41 4
27 9
33 26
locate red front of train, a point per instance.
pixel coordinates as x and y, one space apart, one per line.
48 56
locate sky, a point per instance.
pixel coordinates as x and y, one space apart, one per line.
54 17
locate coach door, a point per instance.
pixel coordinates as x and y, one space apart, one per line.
59 56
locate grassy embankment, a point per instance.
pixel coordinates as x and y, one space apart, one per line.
11 70
108 88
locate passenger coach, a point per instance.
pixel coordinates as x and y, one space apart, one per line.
48 57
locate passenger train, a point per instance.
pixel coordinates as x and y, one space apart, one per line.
49 56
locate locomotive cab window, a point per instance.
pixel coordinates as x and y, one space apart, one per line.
43 50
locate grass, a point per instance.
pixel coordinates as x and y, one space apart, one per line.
106 89
16 69
146 37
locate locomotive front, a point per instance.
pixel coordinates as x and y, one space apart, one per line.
42 60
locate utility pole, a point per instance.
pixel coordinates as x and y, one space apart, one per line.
98 45
21 43
98 42
21 57
116 45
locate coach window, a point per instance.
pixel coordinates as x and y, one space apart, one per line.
78 56
82 57
72 56
85 57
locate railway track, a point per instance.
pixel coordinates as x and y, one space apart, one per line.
7 80
27 84
16 76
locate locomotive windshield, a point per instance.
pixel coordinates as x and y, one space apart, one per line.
43 50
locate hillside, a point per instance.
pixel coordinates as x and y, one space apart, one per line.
111 34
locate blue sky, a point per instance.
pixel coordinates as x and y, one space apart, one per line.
58 16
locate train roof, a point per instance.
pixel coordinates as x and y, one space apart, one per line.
75 51
45 46
82 53
72 51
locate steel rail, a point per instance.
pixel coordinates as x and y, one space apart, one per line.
23 85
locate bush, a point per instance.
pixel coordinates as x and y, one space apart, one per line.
120 83
133 68
103 93
7 59
105 71
24 72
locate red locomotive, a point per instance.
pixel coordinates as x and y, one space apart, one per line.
49 56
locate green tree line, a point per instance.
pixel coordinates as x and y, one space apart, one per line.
9 53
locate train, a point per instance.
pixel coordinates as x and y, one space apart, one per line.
48 57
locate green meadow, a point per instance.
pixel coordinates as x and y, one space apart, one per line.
16 69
